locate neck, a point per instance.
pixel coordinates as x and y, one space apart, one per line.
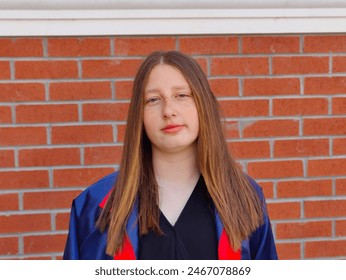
175 169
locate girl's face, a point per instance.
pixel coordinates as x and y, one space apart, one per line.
170 112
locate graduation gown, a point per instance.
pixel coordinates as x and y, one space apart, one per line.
86 242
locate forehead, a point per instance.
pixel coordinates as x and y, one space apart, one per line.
165 76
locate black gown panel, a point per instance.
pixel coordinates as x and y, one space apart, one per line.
193 237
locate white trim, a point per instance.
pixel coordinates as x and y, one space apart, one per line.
166 4
169 21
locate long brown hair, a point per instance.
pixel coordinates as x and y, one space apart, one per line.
235 199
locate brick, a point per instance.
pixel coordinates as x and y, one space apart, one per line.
339 64
323 249
300 106
341 186
340 228
209 45
52 69
121 129
24 223
304 230
244 108
325 85
224 87
123 89
105 112
327 126
5 114
80 90
203 63
78 134
24 179
49 157
239 66
268 189
6 158
79 177
19 92
142 46
339 146
5 71
304 188
271 86
325 44
9 202
13 136
270 44
231 129
44 243
62 221
270 128
102 155
325 208
300 65
79 47
284 210
288 251
9 245
48 200
250 149
46 113
327 167
110 68
276 169
301 148
21 47
339 106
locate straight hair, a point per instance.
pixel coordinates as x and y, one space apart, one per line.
236 201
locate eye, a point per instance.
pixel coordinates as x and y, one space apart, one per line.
183 95
152 100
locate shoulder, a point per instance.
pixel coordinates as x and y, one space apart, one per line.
261 243
85 241
92 196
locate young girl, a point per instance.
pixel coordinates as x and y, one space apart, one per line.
179 194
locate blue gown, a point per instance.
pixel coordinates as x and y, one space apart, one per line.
86 242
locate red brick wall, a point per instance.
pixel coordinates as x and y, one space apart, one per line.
62 117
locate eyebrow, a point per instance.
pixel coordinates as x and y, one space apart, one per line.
151 91
154 90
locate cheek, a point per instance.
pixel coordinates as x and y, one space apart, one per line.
196 127
195 118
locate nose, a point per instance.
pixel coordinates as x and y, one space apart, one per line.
169 109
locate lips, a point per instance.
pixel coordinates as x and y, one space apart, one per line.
171 128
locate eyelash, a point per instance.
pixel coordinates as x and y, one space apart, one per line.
179 95
183 95
151 100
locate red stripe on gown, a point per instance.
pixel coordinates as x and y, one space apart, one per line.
127 253
225 250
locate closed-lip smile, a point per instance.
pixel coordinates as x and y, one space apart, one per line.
172 128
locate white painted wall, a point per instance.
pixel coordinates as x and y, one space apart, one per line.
149 17
168 4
